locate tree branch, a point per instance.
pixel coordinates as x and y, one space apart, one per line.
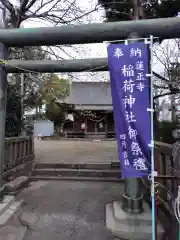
31 4
46 16
68 8
58 19
23 5
45 4
83 15
160 77
52 52
160 87
164 94
8 5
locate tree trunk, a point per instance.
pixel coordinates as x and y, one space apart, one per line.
136 9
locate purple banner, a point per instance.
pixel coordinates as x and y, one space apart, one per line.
128 66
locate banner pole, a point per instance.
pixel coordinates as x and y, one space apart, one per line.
152 143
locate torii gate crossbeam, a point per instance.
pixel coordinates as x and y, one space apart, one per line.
164 28
46 66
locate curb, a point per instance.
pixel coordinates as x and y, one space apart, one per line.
88 179
78 165
80 139
89 173
9 209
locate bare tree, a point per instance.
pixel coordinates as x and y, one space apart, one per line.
21 13
53 13
167 56
48 13
167 83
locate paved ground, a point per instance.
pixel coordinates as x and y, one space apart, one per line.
75 151
68 210
64 210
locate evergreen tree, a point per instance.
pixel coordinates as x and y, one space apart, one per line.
137 9
53 93
13 112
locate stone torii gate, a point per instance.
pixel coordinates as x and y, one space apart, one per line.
81 34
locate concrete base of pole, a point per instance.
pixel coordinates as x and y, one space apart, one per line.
132 196
131 226
133 206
